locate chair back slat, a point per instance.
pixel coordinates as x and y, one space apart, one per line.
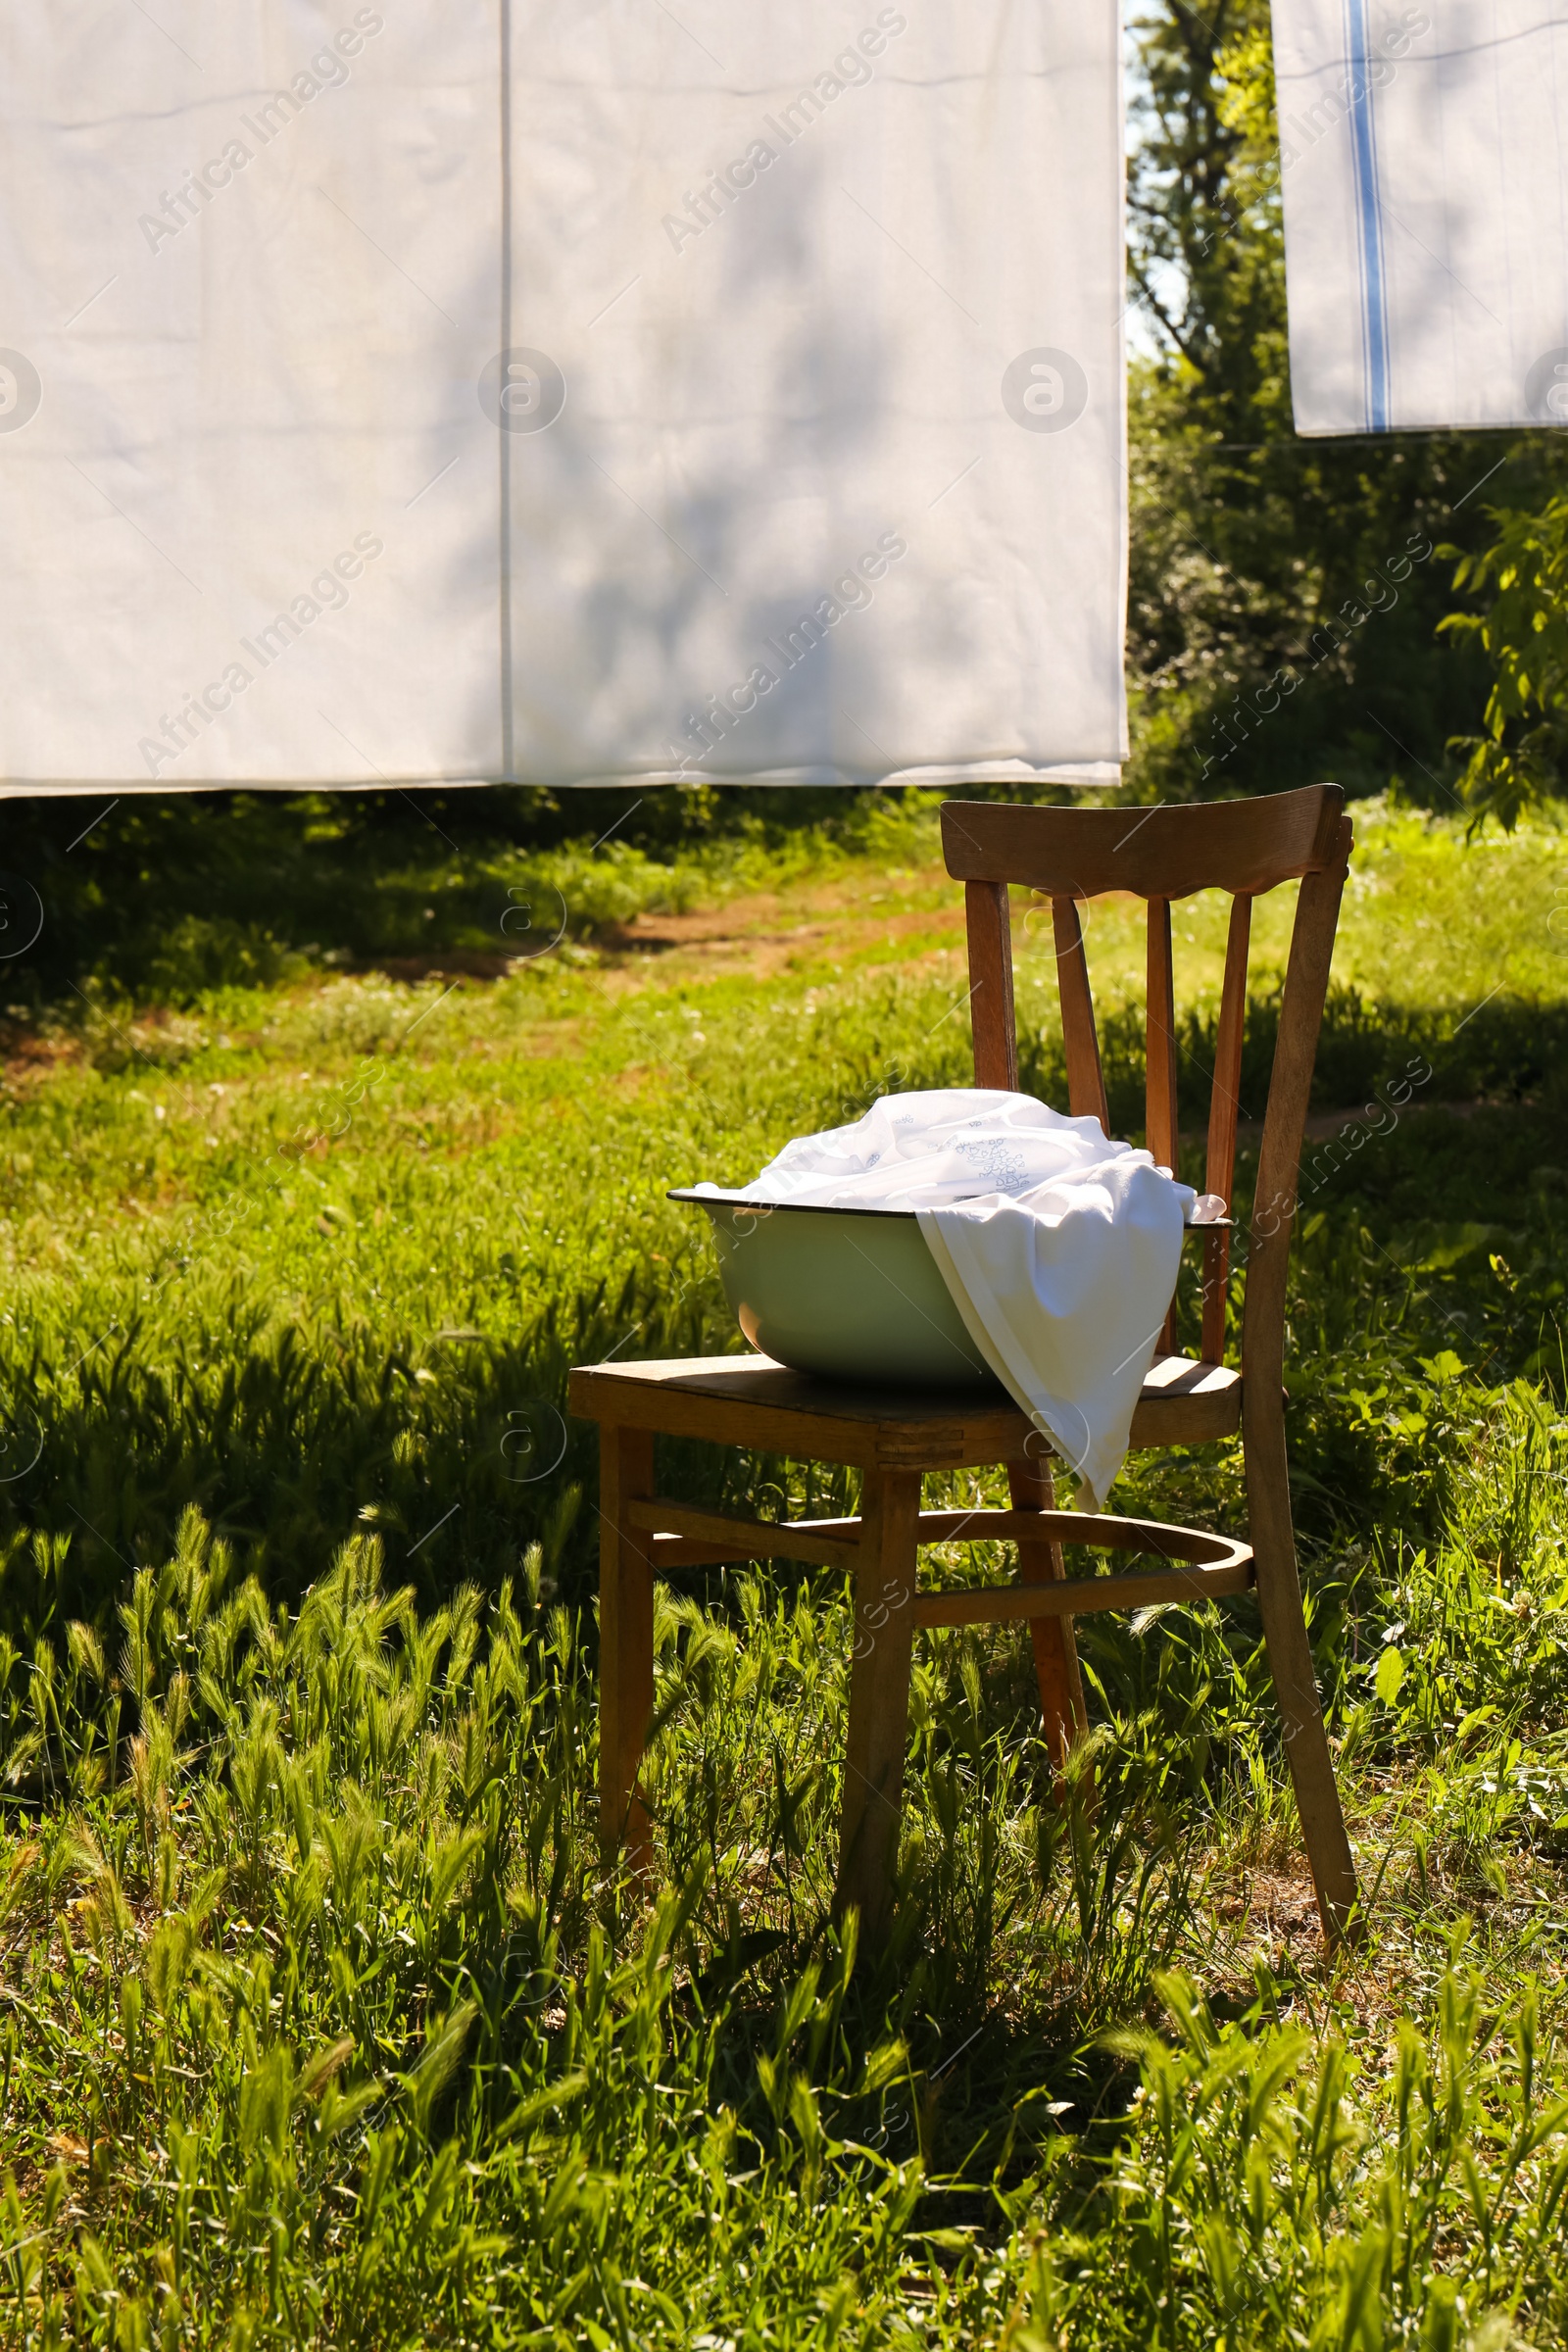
1160 1085
1085 1084
1224 1109
996 1032
1159 1063
1225 1102
1289 1088
1160 855
1155 853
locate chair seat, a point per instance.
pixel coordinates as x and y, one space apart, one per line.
1185 1402
752 1401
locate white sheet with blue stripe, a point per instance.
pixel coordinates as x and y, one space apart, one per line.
1426 211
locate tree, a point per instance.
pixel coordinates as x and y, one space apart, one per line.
1286 594
1519 756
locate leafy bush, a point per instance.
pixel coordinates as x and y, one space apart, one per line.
1518 762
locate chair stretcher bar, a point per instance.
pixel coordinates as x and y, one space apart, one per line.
685 1536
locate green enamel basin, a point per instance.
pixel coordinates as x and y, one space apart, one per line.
850 1293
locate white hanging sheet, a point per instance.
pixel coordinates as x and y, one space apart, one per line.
249 255
1425 211
1058 1249
560 390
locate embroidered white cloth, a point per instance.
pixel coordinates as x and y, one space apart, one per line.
1060 1248
1425 182
524 388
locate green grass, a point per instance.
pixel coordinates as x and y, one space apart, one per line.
318 2020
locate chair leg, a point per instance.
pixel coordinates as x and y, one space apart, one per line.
879 1694
1289 1658
625 1645
1061 1689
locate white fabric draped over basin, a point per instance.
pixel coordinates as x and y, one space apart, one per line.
1058 1247
558 389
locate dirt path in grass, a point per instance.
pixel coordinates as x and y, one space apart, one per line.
904 918
762 935
766 938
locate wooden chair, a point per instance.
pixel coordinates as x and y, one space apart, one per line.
1164 853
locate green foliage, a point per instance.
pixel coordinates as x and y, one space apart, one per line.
1518 762
321 2021
163 901
1283 601
321 1256
325 2028
1265 2184
347 2041
1204 198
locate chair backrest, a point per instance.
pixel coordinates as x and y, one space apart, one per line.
1241 847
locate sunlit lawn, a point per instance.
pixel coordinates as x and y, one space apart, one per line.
321 2023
